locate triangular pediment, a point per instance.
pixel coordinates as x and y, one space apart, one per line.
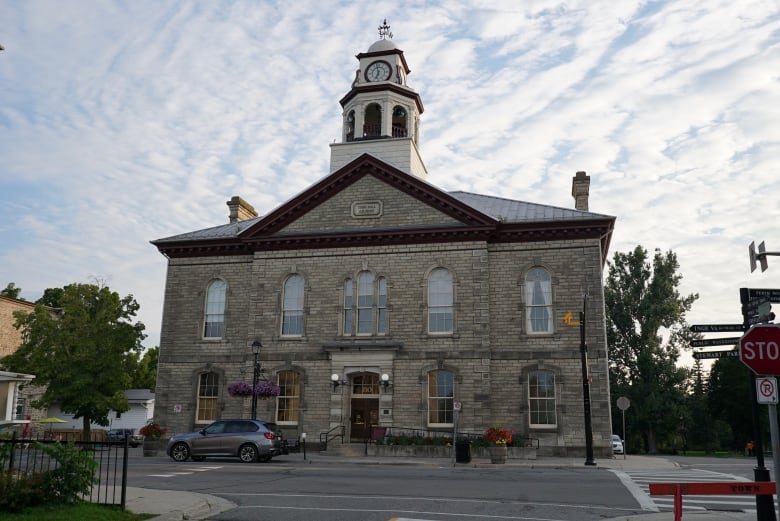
369 202
367 196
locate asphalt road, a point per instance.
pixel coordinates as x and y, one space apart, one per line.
320 489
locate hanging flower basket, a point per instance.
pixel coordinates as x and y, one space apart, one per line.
267 390
263 390
240 389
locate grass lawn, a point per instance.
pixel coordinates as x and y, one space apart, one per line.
82 512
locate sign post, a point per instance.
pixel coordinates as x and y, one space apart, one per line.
759 349
624 403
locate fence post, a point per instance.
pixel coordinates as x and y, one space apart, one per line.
677 502
124 470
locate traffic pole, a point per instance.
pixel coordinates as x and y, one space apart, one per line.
765 510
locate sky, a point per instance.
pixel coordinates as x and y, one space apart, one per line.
122 122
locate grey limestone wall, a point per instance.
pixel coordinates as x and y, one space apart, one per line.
489 352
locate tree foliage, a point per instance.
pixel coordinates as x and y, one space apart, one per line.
645 332
11 291
52 297
143 369
80 352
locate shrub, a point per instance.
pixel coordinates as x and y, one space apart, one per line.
74 475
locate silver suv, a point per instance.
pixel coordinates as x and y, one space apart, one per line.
134 439
249 440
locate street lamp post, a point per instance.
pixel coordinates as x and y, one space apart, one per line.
256 346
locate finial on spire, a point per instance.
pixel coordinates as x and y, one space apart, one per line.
384 30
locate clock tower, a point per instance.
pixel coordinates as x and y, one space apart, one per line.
381 114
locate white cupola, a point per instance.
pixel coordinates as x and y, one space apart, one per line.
381 114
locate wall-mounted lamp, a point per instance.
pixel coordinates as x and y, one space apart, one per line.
385 380
334 379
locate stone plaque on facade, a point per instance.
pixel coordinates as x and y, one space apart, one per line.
366 209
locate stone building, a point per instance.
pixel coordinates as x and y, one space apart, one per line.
17 391
376 298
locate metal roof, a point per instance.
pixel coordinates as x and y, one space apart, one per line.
499 208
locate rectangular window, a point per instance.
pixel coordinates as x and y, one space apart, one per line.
541 399
208 393
441 393
19 409
289 398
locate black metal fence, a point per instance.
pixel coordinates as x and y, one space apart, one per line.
20 456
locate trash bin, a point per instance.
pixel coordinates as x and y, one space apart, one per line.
462 451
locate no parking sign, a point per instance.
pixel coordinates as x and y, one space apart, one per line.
766 389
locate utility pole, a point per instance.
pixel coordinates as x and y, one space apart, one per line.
586 386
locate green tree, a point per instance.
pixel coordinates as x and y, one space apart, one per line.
11 291
52 297
80 353
729 400
642 305
144 371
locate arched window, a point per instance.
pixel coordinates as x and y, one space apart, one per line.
441 393
292 306
214 323
289 399
541 399
538 301
349 126
400 122
372 122
208 395
365 303
440 301
348 308
366 315
381 306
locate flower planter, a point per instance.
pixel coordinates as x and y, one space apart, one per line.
151 446
498 454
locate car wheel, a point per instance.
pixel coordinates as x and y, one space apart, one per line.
180 452
264 459
198 458
247 453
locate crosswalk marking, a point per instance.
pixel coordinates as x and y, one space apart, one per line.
638 483
186 471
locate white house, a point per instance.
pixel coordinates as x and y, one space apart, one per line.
141 410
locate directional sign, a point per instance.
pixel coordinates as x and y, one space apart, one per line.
747 294
717 328
707 355
766 389
759 349
752 306
730 341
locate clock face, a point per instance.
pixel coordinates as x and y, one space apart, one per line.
378 71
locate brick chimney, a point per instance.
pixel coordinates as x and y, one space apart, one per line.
580 188
240 210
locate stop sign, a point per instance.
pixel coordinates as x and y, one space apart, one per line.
759 349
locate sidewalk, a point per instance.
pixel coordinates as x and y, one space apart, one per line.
170 505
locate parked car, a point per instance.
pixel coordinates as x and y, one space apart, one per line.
248 440
119 435
617 444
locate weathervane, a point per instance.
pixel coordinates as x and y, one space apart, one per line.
384 30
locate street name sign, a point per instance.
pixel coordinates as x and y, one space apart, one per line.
707 355
717 328
729 341
759 349
748 294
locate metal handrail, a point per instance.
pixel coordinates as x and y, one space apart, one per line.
330 436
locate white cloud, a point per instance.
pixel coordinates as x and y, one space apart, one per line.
127 122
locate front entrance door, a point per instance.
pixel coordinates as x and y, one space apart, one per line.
364 414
